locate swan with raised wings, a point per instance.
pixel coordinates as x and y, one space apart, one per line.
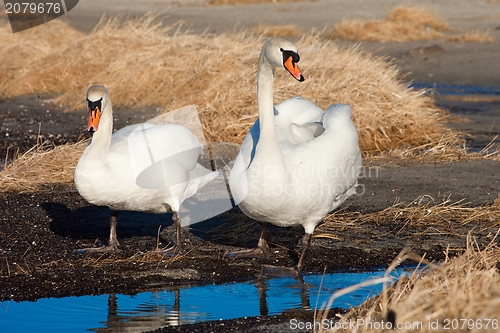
141 167
297 163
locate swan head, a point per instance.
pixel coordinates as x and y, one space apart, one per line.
97 98
281 52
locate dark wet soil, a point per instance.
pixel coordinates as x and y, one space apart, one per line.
41 233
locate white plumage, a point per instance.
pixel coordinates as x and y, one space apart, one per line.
297 163
142 167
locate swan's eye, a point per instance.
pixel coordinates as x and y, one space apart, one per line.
94 105
287 54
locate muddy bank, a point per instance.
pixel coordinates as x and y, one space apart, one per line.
41 233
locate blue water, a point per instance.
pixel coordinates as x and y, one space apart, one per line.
452 89
185 305
463 99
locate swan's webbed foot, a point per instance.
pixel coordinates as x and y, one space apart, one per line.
278 271
172 251
177 248
113 244
258 252
111 248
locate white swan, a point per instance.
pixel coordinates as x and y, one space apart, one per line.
297 163
142 167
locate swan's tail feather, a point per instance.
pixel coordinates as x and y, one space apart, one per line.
307 131
337 114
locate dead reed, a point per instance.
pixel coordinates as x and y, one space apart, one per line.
402 24
288 30
151 257
459 295
144 64
41 166
446 149
31 45
423 211
474 36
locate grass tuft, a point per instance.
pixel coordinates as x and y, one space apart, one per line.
474 36
402 24
460 294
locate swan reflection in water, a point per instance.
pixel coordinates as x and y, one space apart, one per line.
145 317
147 311
164 309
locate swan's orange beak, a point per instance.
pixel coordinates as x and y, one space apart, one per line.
94 117
293 68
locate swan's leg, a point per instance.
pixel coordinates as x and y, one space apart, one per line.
306 242
113 239
279 271
176 248
261 251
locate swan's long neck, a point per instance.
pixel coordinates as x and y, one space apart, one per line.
268 140
101 139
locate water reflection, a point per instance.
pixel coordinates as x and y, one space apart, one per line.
457 90
183 305
156 313
147 316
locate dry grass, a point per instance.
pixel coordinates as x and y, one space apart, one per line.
402 24
41 166
29 46
289 30
474 36
463 292
465 286
151 257
446 149
423 211
145 64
